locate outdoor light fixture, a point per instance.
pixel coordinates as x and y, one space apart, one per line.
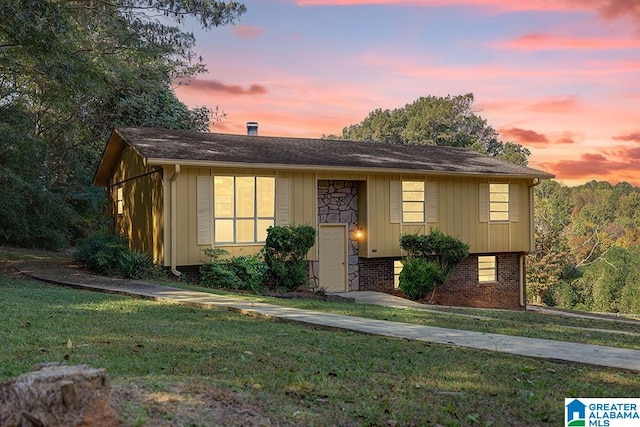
358 233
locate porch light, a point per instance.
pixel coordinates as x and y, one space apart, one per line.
358 234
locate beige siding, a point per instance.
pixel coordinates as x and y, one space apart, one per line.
457 215
142 220
456 206
189 252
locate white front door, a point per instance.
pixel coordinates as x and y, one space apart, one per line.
333 257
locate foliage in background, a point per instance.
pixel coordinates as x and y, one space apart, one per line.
431 120
244 272
109 254
70 71
431 259
101 252
587 237
285 251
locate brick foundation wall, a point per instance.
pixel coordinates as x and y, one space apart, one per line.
376 274
462 289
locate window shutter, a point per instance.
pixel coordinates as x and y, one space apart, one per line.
483 203
432 201
514 203
283 201
204 220
395 202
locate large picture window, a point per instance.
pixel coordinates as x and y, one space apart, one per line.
499 202
412 201
244 207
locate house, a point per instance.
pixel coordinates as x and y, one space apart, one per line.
175 193
576 410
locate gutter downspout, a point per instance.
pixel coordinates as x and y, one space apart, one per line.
523 293
174 221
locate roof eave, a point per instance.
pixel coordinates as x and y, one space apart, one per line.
289 167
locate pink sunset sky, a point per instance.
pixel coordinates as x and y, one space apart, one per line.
561 77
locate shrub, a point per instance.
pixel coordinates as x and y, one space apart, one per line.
419 277
431 260
245 272
445 250
137 265
285 250
100 253
110 255
250 270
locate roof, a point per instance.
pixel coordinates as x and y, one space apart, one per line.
169 147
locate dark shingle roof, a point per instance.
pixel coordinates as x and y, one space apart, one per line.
160 146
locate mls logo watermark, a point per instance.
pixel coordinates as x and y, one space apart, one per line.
601 412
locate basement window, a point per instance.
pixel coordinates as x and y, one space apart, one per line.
397 268
487 269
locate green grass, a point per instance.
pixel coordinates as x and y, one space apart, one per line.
508 322
291 374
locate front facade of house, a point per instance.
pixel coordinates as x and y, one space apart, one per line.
176 193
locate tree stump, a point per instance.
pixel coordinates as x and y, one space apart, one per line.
58 396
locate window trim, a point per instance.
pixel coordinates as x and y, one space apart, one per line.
235 218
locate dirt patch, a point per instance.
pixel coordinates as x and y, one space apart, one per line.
192 404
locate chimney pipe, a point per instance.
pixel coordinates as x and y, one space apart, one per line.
252 128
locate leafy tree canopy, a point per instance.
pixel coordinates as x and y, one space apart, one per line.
586 239
69 72
431 120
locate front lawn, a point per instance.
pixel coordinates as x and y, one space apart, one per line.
175 365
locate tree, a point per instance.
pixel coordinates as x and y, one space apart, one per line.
431 120
69 72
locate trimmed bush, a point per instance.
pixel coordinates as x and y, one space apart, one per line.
431 260
419 277
284 252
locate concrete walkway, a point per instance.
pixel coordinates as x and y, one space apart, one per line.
625 359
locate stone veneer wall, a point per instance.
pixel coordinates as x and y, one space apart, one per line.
338 204
462 288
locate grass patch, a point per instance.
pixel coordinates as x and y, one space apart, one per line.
509 322
168 363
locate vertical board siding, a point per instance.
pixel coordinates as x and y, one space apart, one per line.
457 211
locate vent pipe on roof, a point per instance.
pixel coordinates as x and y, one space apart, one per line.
252 128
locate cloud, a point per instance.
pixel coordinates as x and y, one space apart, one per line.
524 136
633 153
247 31
634 137
622 165
539 41
606 9
565 138
556 105
215 86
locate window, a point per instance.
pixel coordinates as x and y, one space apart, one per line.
499 202
119 201
397 268
487 269
244 207
412 201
